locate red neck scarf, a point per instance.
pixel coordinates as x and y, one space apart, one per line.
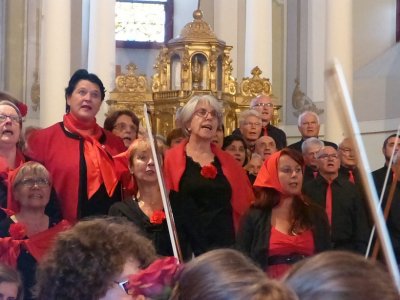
99 164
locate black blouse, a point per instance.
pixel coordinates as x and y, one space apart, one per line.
202 210
158 233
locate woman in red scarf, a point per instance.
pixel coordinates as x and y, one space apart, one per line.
282 227
78 152
209 191
27 234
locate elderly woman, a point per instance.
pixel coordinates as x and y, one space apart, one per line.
282 227
77 152
10 134
209 191
31 188
10 284
93 261
123 123
145 208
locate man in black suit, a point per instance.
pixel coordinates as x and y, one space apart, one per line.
263 104
342 201
390 145
308 125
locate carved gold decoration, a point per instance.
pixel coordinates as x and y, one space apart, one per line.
194 63
251 87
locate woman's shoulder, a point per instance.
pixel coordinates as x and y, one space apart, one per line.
5 227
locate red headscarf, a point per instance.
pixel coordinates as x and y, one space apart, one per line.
268 174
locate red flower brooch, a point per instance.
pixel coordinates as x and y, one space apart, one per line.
209 171
157 217
17 231
156 281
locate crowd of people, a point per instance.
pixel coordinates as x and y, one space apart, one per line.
82 215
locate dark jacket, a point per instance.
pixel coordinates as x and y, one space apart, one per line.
254 234
350 230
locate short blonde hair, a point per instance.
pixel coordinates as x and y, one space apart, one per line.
31 167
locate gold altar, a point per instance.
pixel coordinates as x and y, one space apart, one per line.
196 62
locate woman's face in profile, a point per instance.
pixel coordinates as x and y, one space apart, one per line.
85 100
143 166
116 290
8 290
290 175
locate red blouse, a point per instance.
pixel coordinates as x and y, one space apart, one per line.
284 244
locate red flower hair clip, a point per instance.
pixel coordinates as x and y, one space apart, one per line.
17 231
157 217
209 171
23 108
156 281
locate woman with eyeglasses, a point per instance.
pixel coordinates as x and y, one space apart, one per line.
10 134
78 152
209 191
282 227
123 123
93 260
29 231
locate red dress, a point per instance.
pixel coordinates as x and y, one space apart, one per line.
282 244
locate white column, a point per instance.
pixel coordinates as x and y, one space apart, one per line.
54 59
339 46
101 54
227 31
316 28
258 45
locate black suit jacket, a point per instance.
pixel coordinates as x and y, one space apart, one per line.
393 220
350 230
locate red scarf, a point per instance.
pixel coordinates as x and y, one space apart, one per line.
37 245
99 164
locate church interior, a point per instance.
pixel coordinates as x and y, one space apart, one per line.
232 49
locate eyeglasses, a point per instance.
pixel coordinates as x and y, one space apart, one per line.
263 105
31 182
203 113
289 171
124 126
328 156
346 150
124 285
252 124
14 119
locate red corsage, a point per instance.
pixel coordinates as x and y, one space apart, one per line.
157 217
156 281
209 171
23 108
17 231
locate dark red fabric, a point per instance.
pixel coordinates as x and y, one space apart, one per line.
351 176
242 193
37 245
40 243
